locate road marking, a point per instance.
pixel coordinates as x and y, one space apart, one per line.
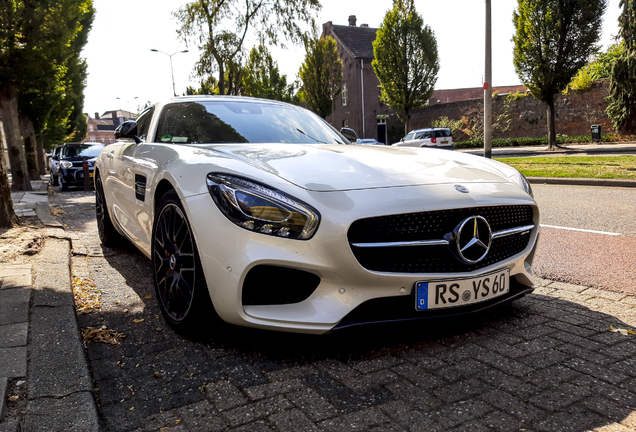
582 230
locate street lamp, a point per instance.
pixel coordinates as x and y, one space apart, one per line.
174 92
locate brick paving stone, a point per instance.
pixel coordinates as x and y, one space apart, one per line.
502 348
470 426
543 290
577 340
513 405
613 428
424 361
293 421
500 421
600 372
499 380
291 373
421 399
609 295
529 333
621 350
312 404
418 376
627 366
256 410
454 414
578 330
568 287
501 335
544 359
551 376
461 390
369 381
259 426
573 419
367 366
224 395
364 420
409 418
335 368
569 295
560 396
505 364
464 370
630 420
607 408
273 389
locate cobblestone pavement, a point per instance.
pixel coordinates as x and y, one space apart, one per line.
548 362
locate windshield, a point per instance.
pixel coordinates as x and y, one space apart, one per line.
243 122
81 150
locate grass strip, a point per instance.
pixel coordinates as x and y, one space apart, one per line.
602 167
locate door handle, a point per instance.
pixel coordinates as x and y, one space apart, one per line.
110 155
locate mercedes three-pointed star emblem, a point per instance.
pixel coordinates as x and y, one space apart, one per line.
473 237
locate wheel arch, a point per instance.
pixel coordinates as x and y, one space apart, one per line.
162 187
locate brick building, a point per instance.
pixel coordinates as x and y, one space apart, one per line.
358 106
101 129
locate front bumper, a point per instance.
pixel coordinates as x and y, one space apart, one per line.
228 253
75 176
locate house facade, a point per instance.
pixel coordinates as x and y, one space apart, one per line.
359 106
101 129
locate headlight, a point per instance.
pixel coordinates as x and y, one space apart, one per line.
256 207
66 164
520 180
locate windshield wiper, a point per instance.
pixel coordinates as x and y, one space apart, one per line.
310 137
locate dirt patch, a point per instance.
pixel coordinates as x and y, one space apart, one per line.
19 244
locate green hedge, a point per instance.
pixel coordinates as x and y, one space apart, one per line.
519 142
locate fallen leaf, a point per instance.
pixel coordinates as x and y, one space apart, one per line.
138 320
132 408
14 398
148 297
101 335
157 375
624 332
164 428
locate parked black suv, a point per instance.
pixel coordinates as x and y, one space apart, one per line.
71 158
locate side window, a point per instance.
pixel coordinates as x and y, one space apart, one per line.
409 136
143 123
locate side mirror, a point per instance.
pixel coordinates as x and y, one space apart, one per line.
55 158
127 129
349 134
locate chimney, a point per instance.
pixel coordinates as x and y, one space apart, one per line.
326 26
364 25
96 116
352 20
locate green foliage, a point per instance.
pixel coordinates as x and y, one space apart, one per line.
600 67
262 78
553 39
321 76
406 60
219 29
445 122
514 96
622 93
522 142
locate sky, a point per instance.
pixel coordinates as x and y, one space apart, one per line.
124 74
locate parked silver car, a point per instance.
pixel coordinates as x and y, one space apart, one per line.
429 137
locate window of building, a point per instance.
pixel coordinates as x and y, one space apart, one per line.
90 128
345 95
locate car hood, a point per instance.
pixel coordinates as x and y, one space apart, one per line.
348 167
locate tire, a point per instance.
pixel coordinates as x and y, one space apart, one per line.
177 272
54 180
108 235
61 185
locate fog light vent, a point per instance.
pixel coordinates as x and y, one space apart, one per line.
271 285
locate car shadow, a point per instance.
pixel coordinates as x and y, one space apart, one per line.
541 363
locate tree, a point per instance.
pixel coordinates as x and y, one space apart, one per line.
406 61
554 39
622 94
219 28
321 76
262 78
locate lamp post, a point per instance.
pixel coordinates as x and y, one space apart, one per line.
488 88
174 92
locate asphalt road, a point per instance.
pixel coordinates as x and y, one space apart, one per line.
599 248
546 363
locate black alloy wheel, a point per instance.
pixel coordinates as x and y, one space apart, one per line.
108 235
179 282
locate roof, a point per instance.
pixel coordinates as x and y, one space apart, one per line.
358 40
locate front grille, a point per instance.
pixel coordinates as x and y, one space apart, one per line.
433 226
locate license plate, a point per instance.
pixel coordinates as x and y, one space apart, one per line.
90 174
445 142
460 292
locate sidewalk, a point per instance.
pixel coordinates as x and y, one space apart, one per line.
43 368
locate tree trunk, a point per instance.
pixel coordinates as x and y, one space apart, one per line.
7 215
552 144
30 147
41 158
9 113
407 123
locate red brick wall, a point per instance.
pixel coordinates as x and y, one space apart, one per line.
575 113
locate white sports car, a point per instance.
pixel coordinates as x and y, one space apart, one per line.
261 212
